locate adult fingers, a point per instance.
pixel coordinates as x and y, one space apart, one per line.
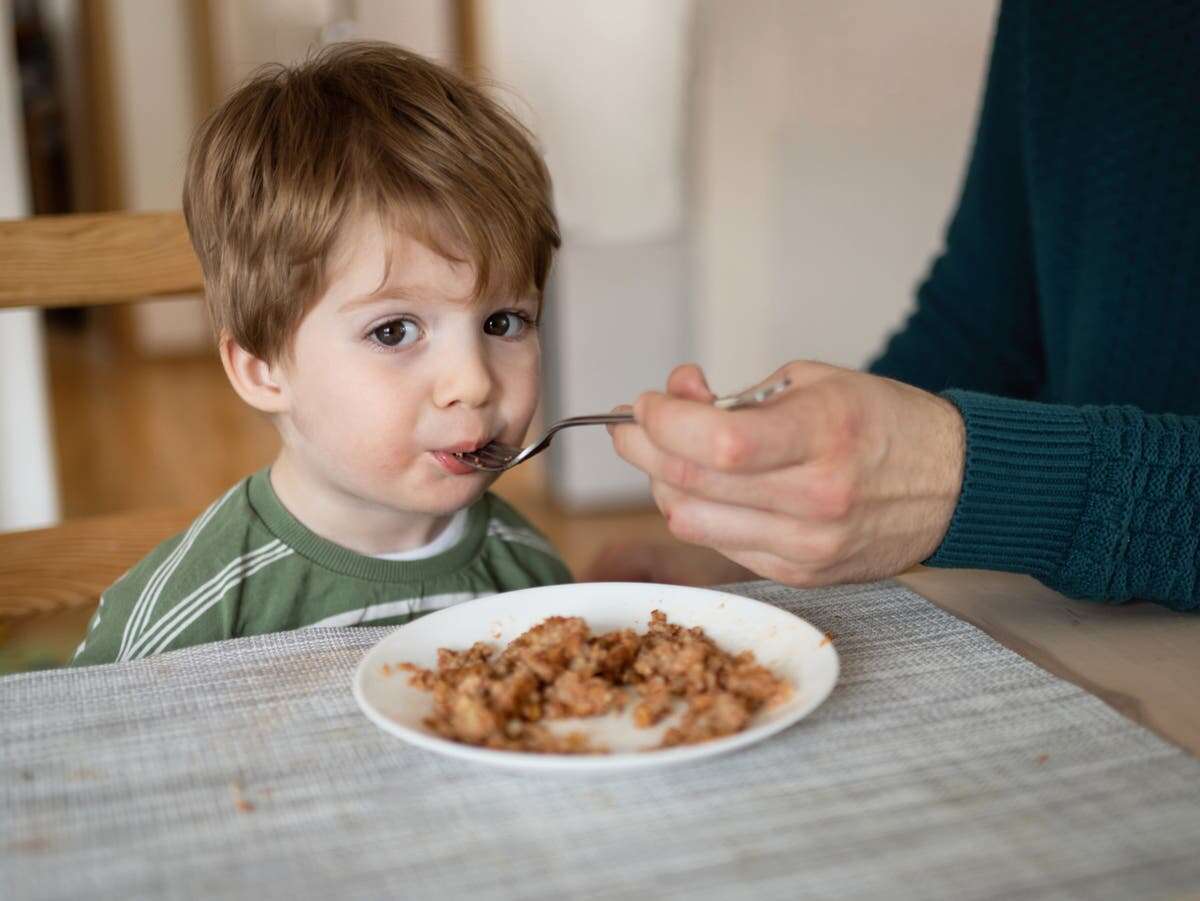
623 408
812 491
778 569
634 446
791 429
734 528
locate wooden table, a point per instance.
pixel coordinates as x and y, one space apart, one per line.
1142 659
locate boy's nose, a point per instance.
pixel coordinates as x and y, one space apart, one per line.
465 379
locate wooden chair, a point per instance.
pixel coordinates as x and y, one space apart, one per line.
87 260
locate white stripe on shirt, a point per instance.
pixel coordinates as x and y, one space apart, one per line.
139 617
215 597
197 598
92 626
514 535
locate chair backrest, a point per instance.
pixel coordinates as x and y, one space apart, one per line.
87 260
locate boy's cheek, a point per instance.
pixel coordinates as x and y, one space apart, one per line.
373 445
519 424
532 387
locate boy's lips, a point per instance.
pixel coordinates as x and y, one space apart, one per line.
448 461
452 464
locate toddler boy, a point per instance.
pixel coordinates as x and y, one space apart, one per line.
375 236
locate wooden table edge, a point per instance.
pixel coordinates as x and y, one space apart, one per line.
1141 659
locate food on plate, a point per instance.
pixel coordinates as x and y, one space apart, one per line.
559 670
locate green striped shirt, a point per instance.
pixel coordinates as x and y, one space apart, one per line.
246 566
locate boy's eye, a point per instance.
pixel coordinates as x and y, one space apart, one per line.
396 333
505 325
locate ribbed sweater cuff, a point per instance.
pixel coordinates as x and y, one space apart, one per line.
1024 485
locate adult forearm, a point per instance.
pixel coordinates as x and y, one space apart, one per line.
1096 502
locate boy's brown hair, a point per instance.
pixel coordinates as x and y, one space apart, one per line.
284 162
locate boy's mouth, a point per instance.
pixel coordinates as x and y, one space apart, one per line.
452 464
445 457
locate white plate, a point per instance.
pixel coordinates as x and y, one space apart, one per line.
782 641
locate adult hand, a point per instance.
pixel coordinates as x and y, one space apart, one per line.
846 477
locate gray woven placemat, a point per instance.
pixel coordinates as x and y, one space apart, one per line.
943 766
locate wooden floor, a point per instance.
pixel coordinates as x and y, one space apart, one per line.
135 434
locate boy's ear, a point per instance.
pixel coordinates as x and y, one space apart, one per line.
255 380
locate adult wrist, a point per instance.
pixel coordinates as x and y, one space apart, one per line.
1024 479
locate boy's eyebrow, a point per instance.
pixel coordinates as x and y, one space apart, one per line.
387 292
408 294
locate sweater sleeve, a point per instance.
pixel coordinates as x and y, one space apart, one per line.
1096 502
976 323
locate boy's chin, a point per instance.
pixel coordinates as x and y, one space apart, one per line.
441 495
447 499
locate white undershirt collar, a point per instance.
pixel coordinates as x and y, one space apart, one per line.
451 535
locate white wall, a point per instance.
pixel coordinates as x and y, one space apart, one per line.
247 35
604 86
831 139
28 491
420 25
156 109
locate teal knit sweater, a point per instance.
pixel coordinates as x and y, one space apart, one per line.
1063 317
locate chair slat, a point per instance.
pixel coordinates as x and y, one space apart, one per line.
86 260
43 571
